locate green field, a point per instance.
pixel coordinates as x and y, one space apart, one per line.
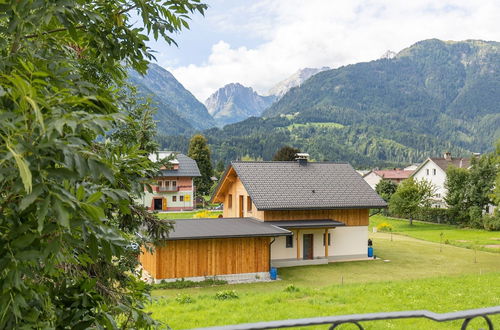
468 238
410 274
185 215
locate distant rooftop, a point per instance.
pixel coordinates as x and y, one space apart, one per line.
186 166
393 174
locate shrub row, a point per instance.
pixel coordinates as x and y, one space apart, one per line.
182 283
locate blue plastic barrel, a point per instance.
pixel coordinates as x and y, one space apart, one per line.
370 252
273 273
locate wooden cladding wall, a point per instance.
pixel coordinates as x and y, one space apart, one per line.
351 217
189 258
148 262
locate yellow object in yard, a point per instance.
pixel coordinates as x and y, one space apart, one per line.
164 204
187 198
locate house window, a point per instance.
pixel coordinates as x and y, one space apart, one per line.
427 170
167 183
249 204
434 171
181 198
329 239
160 183
174 198
174 184
230 201
289 241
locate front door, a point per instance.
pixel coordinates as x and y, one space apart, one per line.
240 207
158 204
308 246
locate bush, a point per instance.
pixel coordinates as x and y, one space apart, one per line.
181 284
384 226
492 222
183 299
435 215
226 295
291 288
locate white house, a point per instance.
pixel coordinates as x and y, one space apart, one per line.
434 171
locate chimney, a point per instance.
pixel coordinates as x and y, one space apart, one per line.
447 155
302 158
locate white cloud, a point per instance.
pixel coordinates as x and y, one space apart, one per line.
300 34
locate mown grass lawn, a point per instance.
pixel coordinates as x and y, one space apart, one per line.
468 238
185 215
416 275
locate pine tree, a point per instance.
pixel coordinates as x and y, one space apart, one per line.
200 152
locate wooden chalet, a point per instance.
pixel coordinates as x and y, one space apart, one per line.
306 213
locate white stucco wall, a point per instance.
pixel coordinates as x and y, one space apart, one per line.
372 179
345 242
437 179
147 197
349 241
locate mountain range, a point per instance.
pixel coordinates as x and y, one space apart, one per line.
178 111
432 97
294 80
235 102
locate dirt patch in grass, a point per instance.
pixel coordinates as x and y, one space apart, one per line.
496 238
492 246
462 240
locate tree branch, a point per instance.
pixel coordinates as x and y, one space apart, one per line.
78 27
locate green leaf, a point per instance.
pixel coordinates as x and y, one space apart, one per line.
29 199
80 193
93 211
42 213
24 169
94 197
38 113
62 213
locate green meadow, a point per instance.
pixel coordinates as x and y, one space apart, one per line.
408 274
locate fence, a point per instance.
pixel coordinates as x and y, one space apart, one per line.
335 321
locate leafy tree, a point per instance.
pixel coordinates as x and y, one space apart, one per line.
71 229
200 152
482 174
386 188
286 153
457 182
410 196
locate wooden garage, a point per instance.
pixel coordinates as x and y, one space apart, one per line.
210 247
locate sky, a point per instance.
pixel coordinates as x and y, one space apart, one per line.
261 42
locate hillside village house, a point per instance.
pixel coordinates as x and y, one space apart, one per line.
174 189
396 176
275 214
434 171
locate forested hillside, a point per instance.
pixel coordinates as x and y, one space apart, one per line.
432 97
178 111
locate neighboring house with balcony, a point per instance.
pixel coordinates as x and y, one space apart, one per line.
275 214
396 175
174 189
434 171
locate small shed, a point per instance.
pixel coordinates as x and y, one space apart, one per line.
198 248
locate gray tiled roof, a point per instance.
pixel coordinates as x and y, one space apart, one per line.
187 167
457 162
316 185
223 228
